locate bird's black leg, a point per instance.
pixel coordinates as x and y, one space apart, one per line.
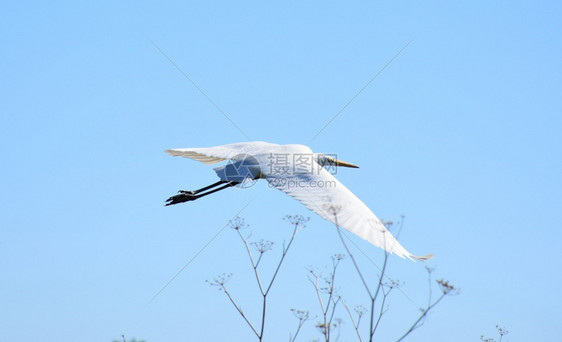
185 196
195 192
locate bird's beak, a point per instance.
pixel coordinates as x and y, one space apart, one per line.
345 164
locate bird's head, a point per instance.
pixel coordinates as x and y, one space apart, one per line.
324 159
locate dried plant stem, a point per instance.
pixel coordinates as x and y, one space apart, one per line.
373 328
382 310
297 227
293 338
264 291
353 259
372 325
380 289
241 312
329 307
446 289
355 324
419 321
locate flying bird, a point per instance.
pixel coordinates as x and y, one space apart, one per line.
298 172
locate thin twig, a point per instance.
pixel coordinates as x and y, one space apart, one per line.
379 268
285 250
429 270
318 294
303 317
373 327
353 259
240 311
446 289
355 325
329 306
382 309
254 265
262 248
422 316
372 297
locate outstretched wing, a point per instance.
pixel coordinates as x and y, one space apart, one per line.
212 155
322 193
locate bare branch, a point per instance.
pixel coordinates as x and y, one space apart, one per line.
220 282
241 313
355 324
352 259
254 264
382 310
419 322
373 326
501 332
302 317
446 289
261 246
297 226
329 305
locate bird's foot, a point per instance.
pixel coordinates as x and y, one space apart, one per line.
184 196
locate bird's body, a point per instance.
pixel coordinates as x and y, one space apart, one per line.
300 173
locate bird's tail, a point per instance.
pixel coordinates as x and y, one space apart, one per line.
423 258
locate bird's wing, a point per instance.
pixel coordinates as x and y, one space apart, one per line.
322 193
212 155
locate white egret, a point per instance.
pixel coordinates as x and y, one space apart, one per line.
300 173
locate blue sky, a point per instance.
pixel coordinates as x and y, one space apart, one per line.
460 133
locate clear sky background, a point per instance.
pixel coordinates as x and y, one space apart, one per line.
461 133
